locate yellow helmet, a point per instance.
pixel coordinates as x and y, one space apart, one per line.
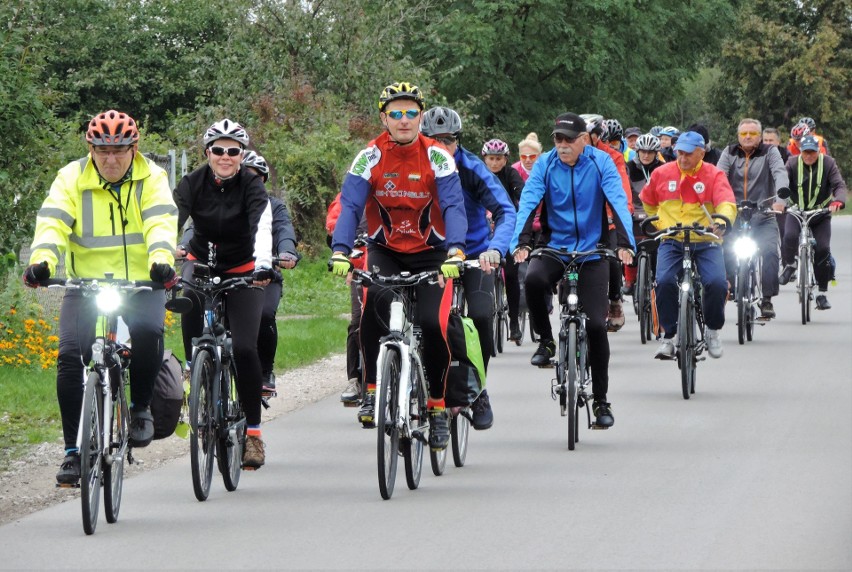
401 90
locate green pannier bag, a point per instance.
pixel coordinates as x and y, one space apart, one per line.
466 378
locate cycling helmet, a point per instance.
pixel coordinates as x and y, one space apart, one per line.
594 122
655 130
401 90
441 120
798 131
495 147
809 122
612 130
112 128
252 159
671 131
648 142
226 129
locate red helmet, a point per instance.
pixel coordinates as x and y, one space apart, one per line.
112 128
798 131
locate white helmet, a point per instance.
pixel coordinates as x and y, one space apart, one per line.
594 122
226 129
648 142
252 159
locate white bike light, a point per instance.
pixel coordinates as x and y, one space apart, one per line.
108 300
573 300
684 286
745 247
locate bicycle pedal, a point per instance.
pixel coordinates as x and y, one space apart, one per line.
245 468
420 437
269 393
351 403
264 401
550 364
596 427
66 486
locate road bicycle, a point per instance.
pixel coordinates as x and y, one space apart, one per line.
104 429
217 420
573 383
644 286
805 280
500 315
747 289
690 321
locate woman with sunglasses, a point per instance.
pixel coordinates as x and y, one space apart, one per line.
232 219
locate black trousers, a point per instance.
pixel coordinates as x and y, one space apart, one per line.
764 231
267 340
513 288
353 347
821 229
144 313
592 290
479 295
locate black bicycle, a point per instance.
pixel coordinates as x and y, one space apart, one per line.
644 286
500 315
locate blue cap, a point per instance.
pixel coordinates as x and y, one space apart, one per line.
809 143
688 141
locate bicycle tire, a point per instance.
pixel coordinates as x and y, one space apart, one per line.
438 460
642 288
459 433
229 448
387 431
522 326
412 449
91 452
743 292
572 357
203 395
686 349
754 294
804 285
114 472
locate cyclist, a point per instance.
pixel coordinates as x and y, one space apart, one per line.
711 153
668 137
756 173
681 191
232 221
482 192
817 183
496 156
631 135
805 126
575 181
110 212
639 169
415 222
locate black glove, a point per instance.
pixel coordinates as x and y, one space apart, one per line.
262 274
164 274
35 273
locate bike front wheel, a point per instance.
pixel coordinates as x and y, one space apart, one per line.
114 471
804 284
459 432
412 448
387 430
203 395
686 350
91 451
642 288
231 440
743 303
572 383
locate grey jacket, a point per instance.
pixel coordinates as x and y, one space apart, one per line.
755 177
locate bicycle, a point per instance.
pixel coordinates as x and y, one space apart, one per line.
805 279
644 286
104 430
217 420
690 321
572 384
500 315
748 289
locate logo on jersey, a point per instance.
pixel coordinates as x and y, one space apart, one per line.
391 175
672 186
414 176
361 164
439 160
699 187
389 186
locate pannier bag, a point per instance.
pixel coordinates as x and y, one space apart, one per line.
466 378
168 396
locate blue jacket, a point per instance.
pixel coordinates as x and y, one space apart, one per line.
574 217
484 191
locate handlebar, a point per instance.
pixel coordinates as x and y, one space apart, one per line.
572 255
95 284
694 228
404 279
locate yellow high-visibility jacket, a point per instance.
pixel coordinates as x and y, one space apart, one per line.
83 220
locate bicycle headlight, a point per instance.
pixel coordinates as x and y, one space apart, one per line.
573 300
684 286
108 300
745 247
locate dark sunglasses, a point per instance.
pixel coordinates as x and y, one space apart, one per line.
559 138
231 151
398 113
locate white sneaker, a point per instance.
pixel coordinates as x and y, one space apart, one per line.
352 392
714 343
666 350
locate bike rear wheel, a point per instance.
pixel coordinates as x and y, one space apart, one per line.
230 445
412 447
114 472
459 431
91 451
203 395
642 288
686 349
387 431
574 370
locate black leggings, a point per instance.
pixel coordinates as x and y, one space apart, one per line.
267 340
244 308
479 294
144 313
513 288
542 275
433 308
821 230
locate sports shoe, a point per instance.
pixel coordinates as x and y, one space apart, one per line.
253 454
546 350
822 302
483 417
514 332
714 343
350 395
615 318
269 382
666 349
787 274
766 309
439 430
141 427
367 413
69 471
603 414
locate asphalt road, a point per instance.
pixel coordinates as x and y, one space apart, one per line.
753 472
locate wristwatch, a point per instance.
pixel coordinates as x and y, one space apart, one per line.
457 252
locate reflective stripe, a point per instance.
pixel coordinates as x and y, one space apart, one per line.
812 195
139 194
159 210
164 245
57 214
88 214
47 246
82 162
107 241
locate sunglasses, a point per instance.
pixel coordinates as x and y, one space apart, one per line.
749 133
110 151
529 157
447 140
398 113
230 151
559 138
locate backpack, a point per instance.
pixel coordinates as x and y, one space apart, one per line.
466 378
167 399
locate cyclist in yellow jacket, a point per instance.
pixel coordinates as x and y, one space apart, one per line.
110 212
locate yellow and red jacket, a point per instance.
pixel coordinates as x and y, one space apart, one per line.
82 219
676 196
